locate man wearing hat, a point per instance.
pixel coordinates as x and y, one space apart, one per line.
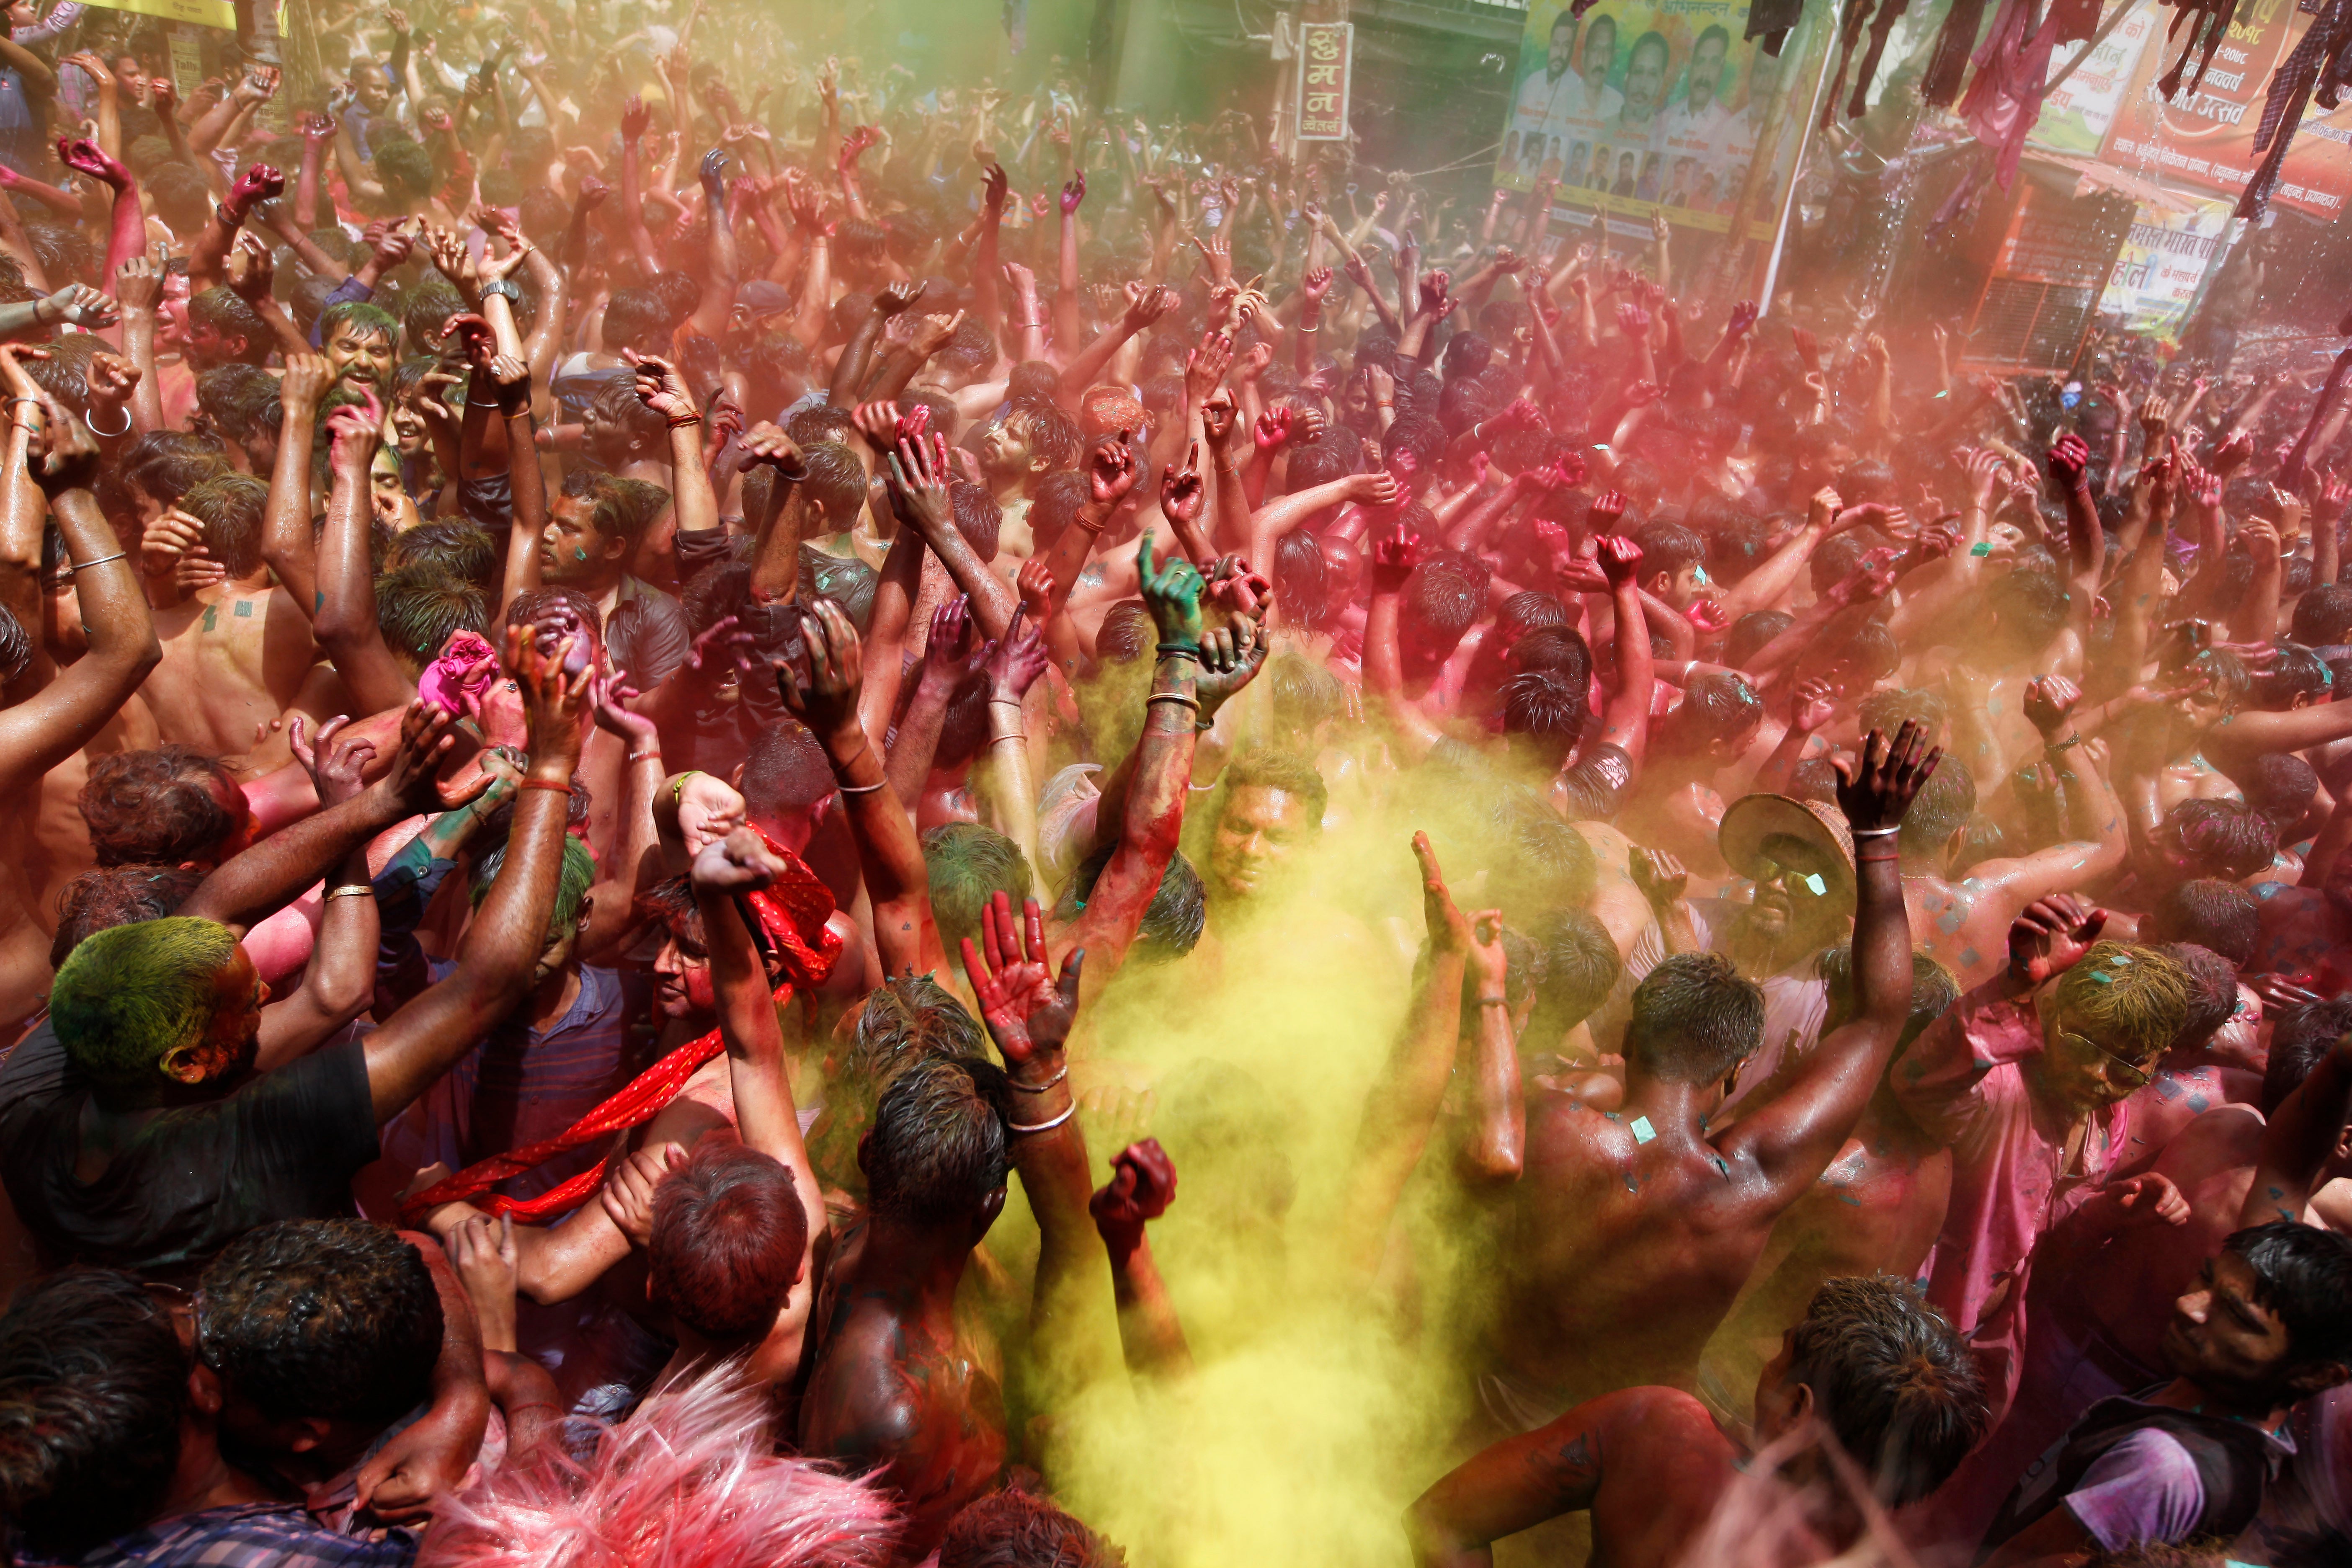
1800 856
1627 1235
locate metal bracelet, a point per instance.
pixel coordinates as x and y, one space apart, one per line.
101 559
1025 1089
1044 1126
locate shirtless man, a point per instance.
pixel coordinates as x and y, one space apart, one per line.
1016 453
1657 1471
891 1385
1628 1235
1964 924
237 655
44 729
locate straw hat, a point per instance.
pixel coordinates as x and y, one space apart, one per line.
1751 819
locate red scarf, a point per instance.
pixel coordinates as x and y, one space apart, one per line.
792 911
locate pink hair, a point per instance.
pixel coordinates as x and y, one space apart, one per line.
690 1481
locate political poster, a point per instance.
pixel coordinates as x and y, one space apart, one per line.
2165 256
2205 139
1639 106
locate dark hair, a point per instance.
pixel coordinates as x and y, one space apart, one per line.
669 903
2212 991
969 864
1934 990
337 1317
2030 606
728 1234
403 168
2282 786
1268 767
93 1389
1887 710
1892 1379
1548 707
463 551
418 608
157 807
1668 547
977 516
1695 1020
1172 922
786 772
638 319
1941 808
938 1148
1580 969
2295 672
2221 915
227 314
1531 610
902 1021
1440 601
1751 632
836 482
1012 1529
1718 705
2305 1275
1049 431
2301 1038
2225 838
1544 864
2322 616
117 896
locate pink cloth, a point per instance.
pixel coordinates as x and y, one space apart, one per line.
1965 1082
459 675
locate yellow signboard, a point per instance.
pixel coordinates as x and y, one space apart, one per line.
203 13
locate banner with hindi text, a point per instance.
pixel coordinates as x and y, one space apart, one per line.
1641 106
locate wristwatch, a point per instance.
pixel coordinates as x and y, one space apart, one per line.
503 288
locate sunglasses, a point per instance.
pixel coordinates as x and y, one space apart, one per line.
2113 1068
1795 883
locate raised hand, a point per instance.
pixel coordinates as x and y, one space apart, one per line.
918 485
1028 1012
740 863
1449 928
1142 1185
81 305
1230 658
1619 557
259 183
2049 700
1074 192
828 702
660 388
84 157
1657 875
1015 660
335 769
1111 471
1183 490
1875 790
1394 558
1171 592
1812 705
2070 461
2051 936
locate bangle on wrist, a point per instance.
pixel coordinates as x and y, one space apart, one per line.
351 890
1046 1126
547 785
653 756
1039 1088
1875 832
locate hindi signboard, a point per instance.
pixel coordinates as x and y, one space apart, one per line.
1326 52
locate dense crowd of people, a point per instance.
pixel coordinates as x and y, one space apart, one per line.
1736 930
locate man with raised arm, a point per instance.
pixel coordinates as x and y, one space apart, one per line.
1629 1234
137 1131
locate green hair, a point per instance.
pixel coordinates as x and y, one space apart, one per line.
2134 998
370 319
572 883
130 993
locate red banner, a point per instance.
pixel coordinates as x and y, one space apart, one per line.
2205 138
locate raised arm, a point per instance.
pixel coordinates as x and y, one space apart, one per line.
41 731
1029 1013
1786 1142
497 958
346 621
1401 1104
288 543
765 1113
2300 1140
906 939
1143 1185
